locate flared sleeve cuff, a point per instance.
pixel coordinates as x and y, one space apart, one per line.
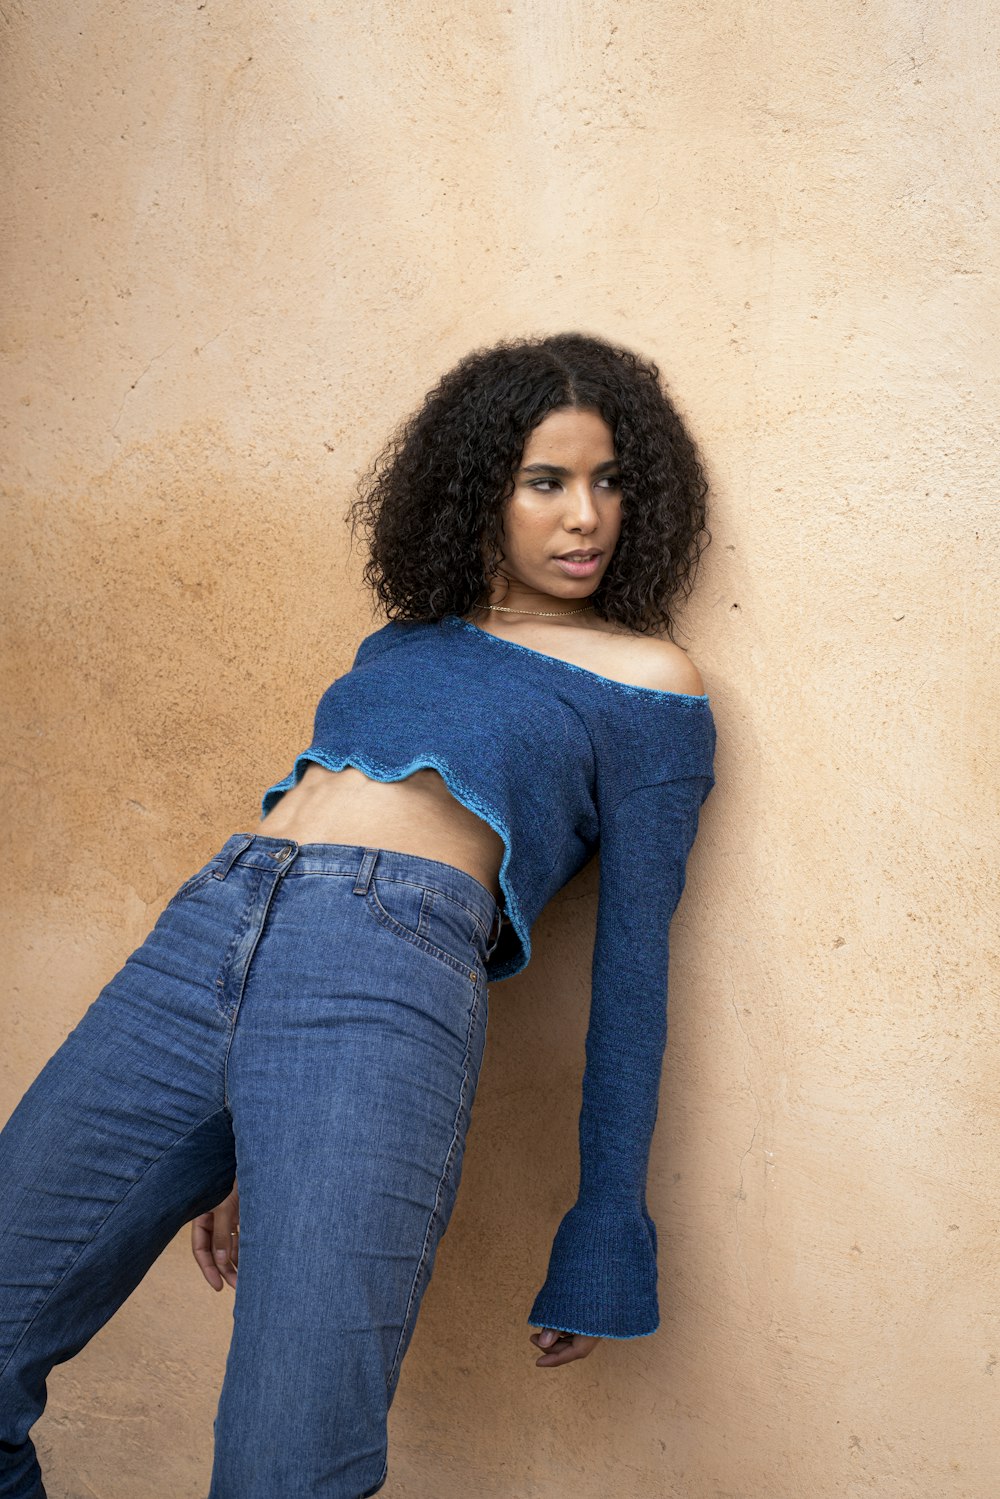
602 1275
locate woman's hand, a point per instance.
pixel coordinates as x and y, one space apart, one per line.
561 1347
215 1241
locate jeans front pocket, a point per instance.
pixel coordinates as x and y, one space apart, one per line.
191 884
429 919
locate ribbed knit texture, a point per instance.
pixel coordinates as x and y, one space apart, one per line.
563 763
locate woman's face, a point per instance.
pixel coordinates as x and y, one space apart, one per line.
567 498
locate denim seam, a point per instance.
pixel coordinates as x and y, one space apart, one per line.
424 919
233 1015
446 1170
380 1482
219 987
103 1223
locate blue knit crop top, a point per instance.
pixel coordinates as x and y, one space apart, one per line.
563 763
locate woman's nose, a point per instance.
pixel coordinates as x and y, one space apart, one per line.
581 507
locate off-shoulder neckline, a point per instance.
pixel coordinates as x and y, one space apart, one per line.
687 698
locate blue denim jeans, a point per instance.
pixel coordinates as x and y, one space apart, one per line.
310 1017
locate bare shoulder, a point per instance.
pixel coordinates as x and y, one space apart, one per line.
652 661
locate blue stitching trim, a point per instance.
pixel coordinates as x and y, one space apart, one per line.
632 689
619 1337
458 789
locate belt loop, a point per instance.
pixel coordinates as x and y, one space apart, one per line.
366 871
231 851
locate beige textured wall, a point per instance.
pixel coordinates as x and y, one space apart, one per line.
241 241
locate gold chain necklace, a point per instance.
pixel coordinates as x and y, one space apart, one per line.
552 612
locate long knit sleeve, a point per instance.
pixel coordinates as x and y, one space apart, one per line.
602 1273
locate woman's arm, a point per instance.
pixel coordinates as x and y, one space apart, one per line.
602 1275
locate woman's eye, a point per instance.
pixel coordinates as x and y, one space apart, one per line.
610 481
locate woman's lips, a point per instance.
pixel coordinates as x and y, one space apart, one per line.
579 569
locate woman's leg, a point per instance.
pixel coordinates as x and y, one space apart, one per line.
347 1049
122 1138
351 1082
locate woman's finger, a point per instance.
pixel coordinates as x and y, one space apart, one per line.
225 1240
215 1241
201 1248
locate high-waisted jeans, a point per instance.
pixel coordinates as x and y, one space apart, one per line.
310 1018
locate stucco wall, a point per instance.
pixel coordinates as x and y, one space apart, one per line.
241 241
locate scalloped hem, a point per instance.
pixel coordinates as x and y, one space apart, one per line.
512 965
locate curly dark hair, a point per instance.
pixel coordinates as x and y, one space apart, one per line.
432 501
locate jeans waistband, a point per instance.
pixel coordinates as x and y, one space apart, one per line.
359 862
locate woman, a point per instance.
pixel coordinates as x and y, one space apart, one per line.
309 1013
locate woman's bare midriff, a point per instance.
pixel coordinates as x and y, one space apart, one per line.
418 815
